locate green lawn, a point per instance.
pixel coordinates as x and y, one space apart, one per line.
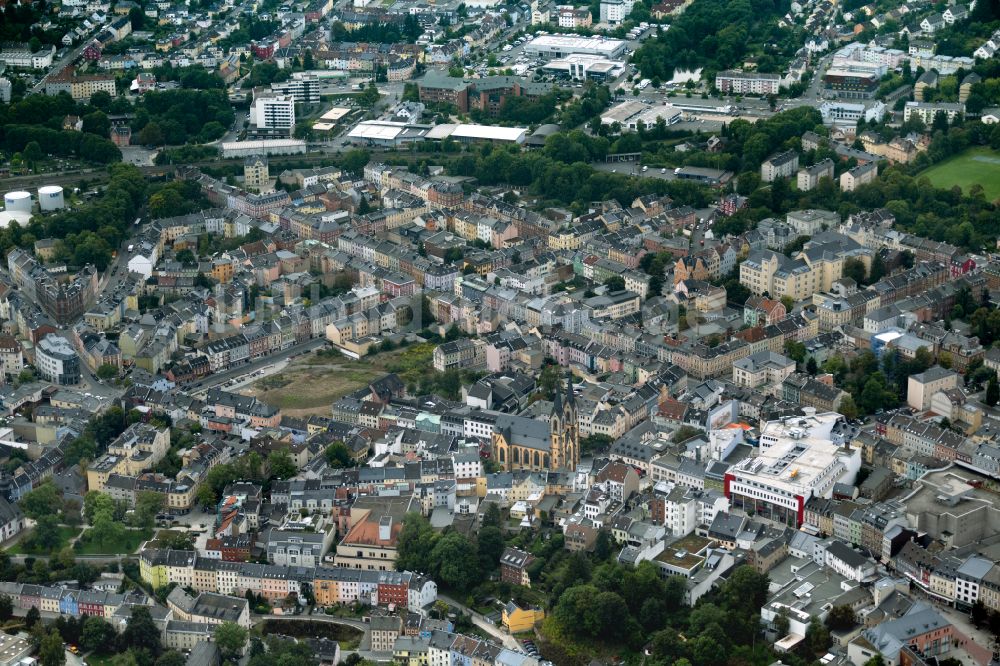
974 166
129 543
94 659
65 534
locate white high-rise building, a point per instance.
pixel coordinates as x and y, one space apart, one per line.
273 113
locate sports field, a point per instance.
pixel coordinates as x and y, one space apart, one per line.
975 165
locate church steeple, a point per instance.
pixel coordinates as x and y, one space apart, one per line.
570 401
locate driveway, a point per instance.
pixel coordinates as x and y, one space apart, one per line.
496 632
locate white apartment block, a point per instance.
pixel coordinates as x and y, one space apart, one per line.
747 83
274 112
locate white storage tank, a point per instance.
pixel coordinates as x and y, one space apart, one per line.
51 197
18 202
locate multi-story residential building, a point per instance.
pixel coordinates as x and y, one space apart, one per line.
747 83
920 631
764 368
927 111
298 548
573 17
922 387
809 177
63 300
514 566
57 360
273 114
303 87
21 55
11 357
461 354
780 165
614 12
860 175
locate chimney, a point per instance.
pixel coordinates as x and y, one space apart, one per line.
385 528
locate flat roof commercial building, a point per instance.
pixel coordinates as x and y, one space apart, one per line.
469 133
560 46
387 133
798 461
263 147
580 66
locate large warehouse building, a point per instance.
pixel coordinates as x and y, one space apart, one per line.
388 133
262 147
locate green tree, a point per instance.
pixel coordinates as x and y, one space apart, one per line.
45 500
95 502
795 350
992 391
602 546
205 496
817 636
458 565
107 372
46 534
615 283
854 268
549 380
685 432
781 623
147 505
878 268
97 634
840 618
338 456
32 617
354 161
415 544
848 408
51 651
231 639
171 658
746 590
369 97
489 546
281 465
97 123
140 633
6 608
491 517
106 529
187 257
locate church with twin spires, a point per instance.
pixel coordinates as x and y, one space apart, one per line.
521 443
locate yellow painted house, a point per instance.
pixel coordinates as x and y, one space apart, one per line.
516 619
152 572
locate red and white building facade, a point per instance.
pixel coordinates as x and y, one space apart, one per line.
798 460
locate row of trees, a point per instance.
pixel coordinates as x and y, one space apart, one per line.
408 30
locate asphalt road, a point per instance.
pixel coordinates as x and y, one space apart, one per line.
220 378
59 65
